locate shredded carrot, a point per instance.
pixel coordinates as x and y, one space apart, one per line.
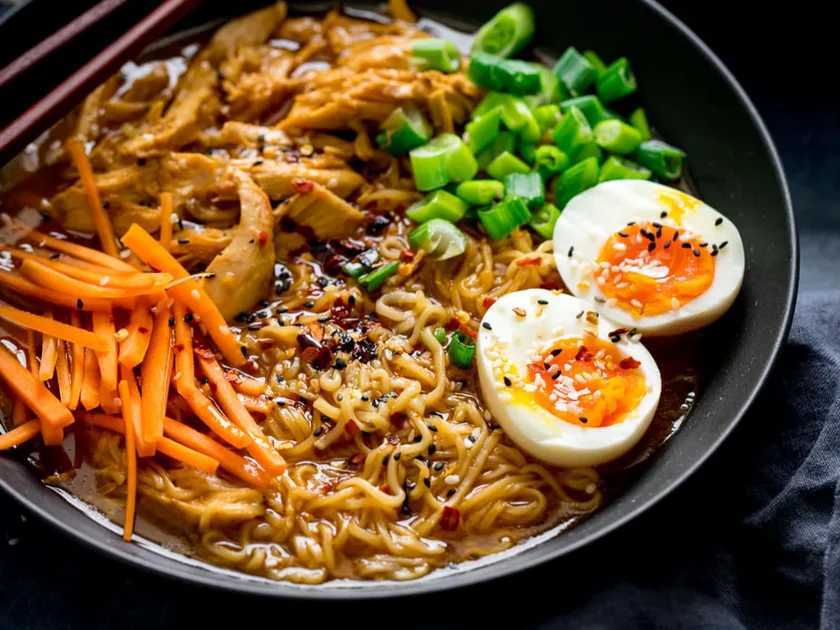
53 415
44 275
261 449
215 420
135 401
188 293
247 471
156 372
21 285
109 399
175 450
48 326
19 413
255 404
128 414
89 395
88 254
103 326
32 352
399 11
19 435
62 372
184 366
165 220
100 218
77 364
133 347
49 353
246 385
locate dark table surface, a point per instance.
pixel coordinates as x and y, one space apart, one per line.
751 541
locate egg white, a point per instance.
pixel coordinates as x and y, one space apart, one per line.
506 347
593 216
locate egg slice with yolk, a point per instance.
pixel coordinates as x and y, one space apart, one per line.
653 258
566 384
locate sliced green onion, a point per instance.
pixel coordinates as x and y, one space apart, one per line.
618 168
405 128
639 120
437 205
592 57
544 220
439 238
591 107
528 151
461 350
616 82
575 180
547 116
354 269
504 142
445 159
376 278
505 164
503 218
572 132
515 113
504 75
483 130
436 53
550 160
527 186
617 137
575 72
590 149
480 192
440 335
552 90
490 102
661 158
507 32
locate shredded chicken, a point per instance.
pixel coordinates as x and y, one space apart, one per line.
326 214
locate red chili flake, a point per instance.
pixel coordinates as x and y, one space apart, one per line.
467 331
142 330
488 301
233 377
528 262
352 429
453 324
309 354
629 363
583 354
179 347
251 367
398 420
302 186
392 438
385 488
536 368
357 458
406 256
549 286
450 518
262 238
204 352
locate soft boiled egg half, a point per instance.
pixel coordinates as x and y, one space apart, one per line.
567 385
651 257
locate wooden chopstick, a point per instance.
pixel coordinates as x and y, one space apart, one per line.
58 40
73 89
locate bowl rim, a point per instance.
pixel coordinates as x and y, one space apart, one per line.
515 563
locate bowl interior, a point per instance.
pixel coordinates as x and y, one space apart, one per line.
693 102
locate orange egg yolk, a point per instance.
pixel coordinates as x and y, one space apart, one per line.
650 269
586 382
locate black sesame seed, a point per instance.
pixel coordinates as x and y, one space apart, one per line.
281 309
188 318
579 315
676 236
352 300
257 163
279 378
318 431
656 225
486 325
615 338
719 220
571 251
204 380
556 375
543 302
432 428
141 162
696 252
55 256
244 351
365 397
309 304
183 241
397 456
385 460
659 233
663 214
438 466
79 304
623 234
724 244
417 438
324 319
340 363
171 321
651 247
427 482
472 439
632 223
667 243
715 251
703 245
406 510
450 492
546 365
432 449
686 245
601 300
507 381
105 206
583 420
556 351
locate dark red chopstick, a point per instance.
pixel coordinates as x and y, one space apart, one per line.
69 92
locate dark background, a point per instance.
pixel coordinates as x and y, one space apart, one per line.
725 551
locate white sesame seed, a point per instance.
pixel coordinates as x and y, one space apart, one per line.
13 541
675 303
590 489
452 480
195 294
619 247
636 303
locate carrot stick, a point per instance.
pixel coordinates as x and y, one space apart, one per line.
184 366
133 348
165 220
128 414
90 381
175 450
88 254
109 399
32 352
77 364
100 218
261 449
53 415
44 275
21 285
62 372
98 276
103 326
246 385
156 372
135 400
19 435
254 404
188 292
213 418
48 326
49 354
19 413
247 471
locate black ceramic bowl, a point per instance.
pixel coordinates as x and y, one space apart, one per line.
696 104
